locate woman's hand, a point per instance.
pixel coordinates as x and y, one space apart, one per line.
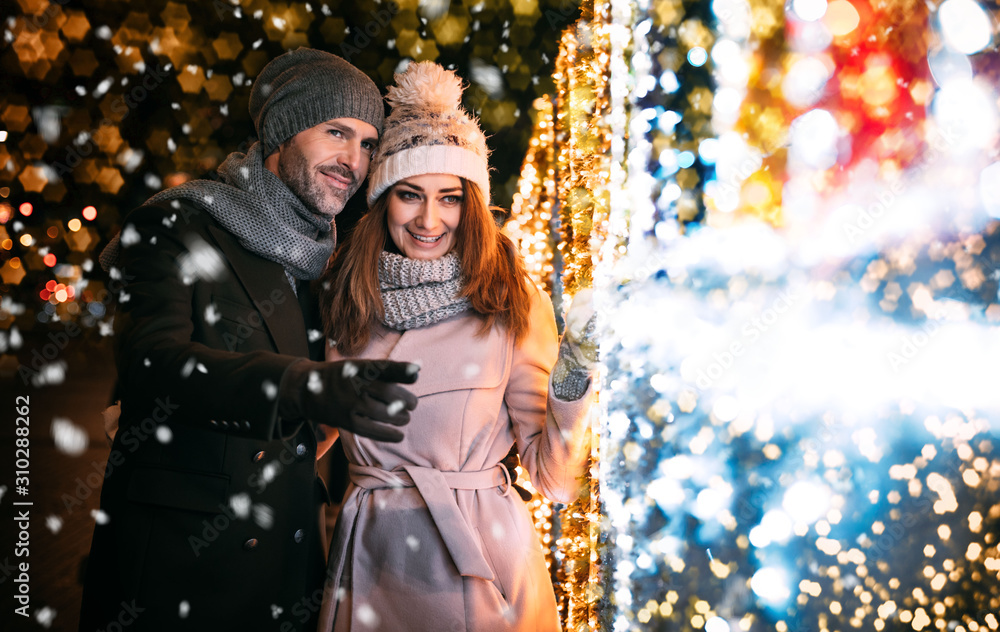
577 350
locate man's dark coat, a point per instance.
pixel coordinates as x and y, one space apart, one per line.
212 505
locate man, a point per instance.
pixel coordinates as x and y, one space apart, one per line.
211 506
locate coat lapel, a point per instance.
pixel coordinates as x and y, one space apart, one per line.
477 362
266 284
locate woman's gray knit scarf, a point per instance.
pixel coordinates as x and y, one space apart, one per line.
418 293
261 211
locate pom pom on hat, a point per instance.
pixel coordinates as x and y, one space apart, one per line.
428 131
426 85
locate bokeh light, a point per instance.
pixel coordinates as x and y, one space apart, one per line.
966 27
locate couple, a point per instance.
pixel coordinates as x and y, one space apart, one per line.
215 521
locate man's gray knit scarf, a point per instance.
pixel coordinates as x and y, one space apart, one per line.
261 211
418 293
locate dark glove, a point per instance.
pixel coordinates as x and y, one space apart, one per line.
510 462
360 396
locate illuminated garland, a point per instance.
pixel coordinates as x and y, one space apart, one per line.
530 225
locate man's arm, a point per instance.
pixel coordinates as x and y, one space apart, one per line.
154 324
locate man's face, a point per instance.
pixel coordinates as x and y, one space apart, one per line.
324 165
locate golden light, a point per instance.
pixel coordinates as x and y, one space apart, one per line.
52 231
74 224
878 83
26 240
841 17
6 244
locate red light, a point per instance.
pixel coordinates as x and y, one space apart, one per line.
25 208
71 291
49 260
51 285
89 213
45 294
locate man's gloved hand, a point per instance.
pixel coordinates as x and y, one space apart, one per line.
577 349
360 396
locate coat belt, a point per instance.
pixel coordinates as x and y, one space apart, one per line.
435 486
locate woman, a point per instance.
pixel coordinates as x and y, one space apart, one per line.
431 536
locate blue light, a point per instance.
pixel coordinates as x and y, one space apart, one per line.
685 159
697 56
669 83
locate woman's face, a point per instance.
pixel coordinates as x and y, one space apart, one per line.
423 214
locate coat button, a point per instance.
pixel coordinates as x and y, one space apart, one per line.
257 458
299 536
250 544
300 449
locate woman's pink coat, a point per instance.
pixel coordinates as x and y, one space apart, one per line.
392 563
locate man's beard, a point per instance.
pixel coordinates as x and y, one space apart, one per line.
295 172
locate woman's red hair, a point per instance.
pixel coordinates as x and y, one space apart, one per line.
493 276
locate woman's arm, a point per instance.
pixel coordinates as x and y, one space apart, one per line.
552 434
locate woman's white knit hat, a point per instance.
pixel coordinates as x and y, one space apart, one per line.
428 131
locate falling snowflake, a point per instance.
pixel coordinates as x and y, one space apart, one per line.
413 543
367 616
497 530
183 609
45 617
270 389
100 517
471 370
315 384
489 78
52 373
3 490
240 504
130 236
263 515
69 438
395 407
268 472
276 611
350 369
164 434
314 335
54 523
188 367
201 261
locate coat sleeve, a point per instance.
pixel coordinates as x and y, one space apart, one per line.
552 435
156 356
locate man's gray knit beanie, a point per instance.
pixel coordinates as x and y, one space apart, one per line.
305 87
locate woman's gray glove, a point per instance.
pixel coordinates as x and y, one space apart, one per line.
360 396
577 349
